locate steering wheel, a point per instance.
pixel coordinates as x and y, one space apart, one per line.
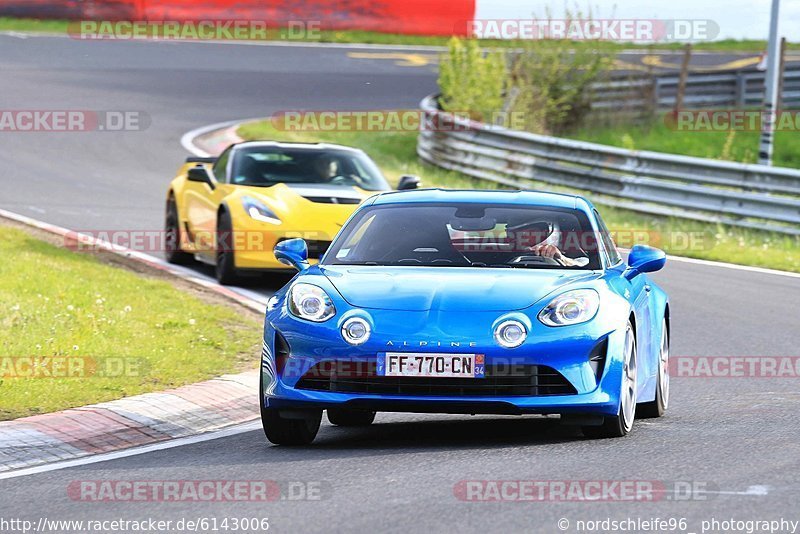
350 179
340 180
544 260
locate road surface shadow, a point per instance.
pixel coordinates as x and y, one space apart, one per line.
463 433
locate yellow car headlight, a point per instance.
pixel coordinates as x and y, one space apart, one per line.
259 211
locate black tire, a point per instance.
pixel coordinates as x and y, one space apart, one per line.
172 236
283 431
612 427
225 268
658 407
347 417
616 426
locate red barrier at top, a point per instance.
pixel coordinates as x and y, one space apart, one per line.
72 9
419 17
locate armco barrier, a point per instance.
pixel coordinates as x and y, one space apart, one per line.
423 17
739 89
753 196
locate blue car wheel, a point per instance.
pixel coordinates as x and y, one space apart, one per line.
621 424
289 427
658 407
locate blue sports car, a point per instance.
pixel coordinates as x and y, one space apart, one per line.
491 302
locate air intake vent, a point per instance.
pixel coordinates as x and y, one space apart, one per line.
520 380
334 200
597 358
282 352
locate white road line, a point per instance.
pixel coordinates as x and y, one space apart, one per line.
188 139
760 491
723 265
17 35
754 491
105 457
733 266
312 44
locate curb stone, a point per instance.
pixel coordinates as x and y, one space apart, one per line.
129 422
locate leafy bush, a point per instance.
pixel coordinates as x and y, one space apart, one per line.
543 87
551 84
471 81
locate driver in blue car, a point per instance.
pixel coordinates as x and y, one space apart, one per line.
548 250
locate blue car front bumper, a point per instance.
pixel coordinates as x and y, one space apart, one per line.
575 370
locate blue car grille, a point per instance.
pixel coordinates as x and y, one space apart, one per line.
523 381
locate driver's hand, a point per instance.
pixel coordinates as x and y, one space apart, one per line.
547 251
552 251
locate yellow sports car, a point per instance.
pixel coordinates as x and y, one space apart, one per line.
231 211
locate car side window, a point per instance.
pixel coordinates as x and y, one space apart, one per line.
221 166
608 243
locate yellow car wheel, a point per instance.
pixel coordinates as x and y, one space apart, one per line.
225 258
172 236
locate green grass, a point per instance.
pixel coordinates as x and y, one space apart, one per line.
59 303
355 36
33 25
655 135
395 153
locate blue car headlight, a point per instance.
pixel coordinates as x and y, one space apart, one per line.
259 211
572 307
311 303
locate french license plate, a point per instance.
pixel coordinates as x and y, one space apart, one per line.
430 365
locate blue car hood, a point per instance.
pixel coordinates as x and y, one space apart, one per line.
448 288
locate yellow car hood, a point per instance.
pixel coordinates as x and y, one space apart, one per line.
319 207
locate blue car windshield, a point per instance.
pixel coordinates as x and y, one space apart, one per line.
265 166
467 235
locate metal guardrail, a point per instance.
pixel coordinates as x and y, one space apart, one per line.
735 89
752 196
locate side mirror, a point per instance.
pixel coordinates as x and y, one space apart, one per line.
644 259
200 174
408 181
292 252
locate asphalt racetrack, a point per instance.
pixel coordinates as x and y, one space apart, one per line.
734 439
